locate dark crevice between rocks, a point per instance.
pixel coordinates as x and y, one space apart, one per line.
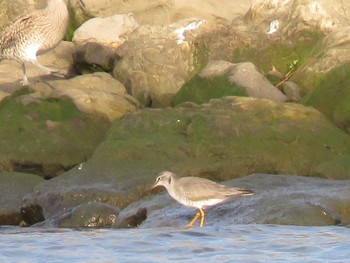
93 57
31 215
11 219
133 220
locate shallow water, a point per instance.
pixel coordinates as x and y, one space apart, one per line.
239 243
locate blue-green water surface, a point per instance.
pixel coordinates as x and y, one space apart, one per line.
238 243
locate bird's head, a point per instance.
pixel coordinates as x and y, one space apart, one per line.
164 179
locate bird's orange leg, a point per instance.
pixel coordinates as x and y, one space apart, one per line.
202 217
190 224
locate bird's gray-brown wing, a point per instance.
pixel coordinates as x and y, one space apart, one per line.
195 188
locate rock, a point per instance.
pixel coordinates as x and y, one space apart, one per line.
312 33
97 93
50 135
291 90
3 95
220 140
12 190
336 168
255 84
166 12
59 206
242 40
153 66
216 68
201 90
278 199
222 78
134 219
331 96
300 16
92 214
333 51
107 31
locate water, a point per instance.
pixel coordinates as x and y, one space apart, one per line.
239 243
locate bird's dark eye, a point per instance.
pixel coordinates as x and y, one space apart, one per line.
158 179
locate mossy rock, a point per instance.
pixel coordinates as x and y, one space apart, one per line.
200 90
301 47
286 56
220 140
332 96
46 136
337 168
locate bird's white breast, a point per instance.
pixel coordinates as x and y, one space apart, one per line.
181 197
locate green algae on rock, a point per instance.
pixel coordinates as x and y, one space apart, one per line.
200 90
332 95
220 140
45 136
225 138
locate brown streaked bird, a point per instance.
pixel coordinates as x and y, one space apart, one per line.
33 34
197 192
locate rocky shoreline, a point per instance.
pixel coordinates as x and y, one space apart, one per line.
201 92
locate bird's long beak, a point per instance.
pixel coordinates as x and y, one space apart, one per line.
154 185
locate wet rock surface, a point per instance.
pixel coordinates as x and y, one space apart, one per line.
92 214
13 187
278 199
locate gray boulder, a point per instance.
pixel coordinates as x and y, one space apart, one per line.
13 187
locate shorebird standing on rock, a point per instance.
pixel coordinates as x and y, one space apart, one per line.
35 33
197 192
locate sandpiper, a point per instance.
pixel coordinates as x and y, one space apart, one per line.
197 192
33 34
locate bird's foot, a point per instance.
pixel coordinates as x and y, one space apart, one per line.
25 81
48 71
59 75
54 71
190 224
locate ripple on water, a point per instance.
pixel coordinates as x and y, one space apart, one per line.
241 243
